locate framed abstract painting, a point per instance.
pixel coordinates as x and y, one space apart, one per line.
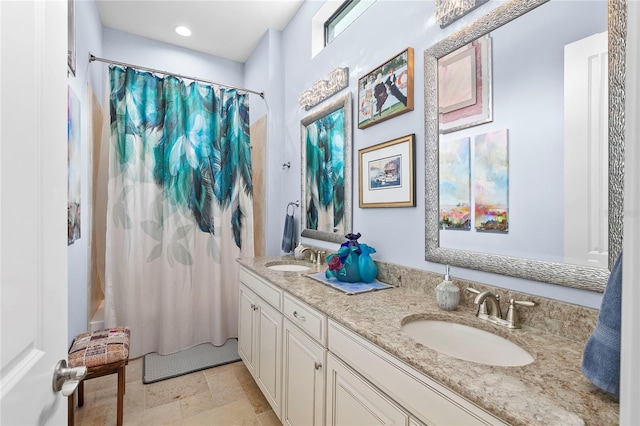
491 181
74 167
464 87
455 184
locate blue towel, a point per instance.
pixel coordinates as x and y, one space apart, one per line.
287 234
601 358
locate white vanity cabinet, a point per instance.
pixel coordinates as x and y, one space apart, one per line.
425 399
260 335
282 341
315 371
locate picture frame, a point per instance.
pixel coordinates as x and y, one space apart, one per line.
71 37
387 90
387 174
465 94
326 150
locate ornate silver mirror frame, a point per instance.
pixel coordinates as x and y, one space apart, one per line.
337 236
582 277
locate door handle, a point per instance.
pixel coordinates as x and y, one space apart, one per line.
67 379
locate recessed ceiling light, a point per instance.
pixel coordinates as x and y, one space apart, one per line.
183 31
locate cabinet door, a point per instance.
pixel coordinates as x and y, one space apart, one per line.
268 339
353 401
304 381
246 324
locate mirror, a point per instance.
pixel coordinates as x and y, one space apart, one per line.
521 133
326 171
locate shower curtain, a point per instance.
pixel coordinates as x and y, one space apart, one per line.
179 210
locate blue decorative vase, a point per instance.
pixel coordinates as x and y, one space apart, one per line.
368 268
350 272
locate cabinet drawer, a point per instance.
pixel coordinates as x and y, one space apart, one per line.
426 399
268 292
306 317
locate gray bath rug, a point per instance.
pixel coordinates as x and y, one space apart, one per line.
161 367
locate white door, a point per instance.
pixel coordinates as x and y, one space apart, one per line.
586 159
33 192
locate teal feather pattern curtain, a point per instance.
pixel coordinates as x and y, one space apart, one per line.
179 207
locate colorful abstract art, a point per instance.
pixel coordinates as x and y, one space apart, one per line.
455 184
491 181
73 158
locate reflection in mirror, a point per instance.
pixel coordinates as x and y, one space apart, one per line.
531 155
326 171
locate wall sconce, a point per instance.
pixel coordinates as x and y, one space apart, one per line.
323 89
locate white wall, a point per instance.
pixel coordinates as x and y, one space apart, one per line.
385 29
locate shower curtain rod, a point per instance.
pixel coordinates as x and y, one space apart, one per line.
124 64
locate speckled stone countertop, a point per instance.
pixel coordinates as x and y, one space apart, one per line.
550 391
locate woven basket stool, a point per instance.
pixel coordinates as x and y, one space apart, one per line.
103 352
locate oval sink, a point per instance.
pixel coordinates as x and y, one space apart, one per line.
287 267
467 343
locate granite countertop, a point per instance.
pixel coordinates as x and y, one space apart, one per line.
549 391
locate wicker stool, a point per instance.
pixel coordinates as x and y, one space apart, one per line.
103 352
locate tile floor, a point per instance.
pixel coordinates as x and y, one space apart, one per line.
224 395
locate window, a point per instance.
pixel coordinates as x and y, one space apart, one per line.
349 11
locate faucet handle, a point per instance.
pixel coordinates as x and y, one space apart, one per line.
522 302
512 313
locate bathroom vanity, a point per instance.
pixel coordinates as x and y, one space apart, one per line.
324 357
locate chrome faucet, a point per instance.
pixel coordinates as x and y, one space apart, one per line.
316 257
312 255
492 302
489 308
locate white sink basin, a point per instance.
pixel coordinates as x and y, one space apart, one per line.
287 267
467 343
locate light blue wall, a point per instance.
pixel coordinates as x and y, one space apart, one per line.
88 38
263 72
385 29
135 50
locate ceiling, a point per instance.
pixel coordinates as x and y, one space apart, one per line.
229 29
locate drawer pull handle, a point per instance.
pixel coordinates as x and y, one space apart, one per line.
298 316
318 365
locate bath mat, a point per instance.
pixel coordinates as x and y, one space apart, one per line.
157 367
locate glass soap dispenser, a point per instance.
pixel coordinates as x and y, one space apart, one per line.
447 293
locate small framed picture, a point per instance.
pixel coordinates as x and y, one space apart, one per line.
387 174
386 91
